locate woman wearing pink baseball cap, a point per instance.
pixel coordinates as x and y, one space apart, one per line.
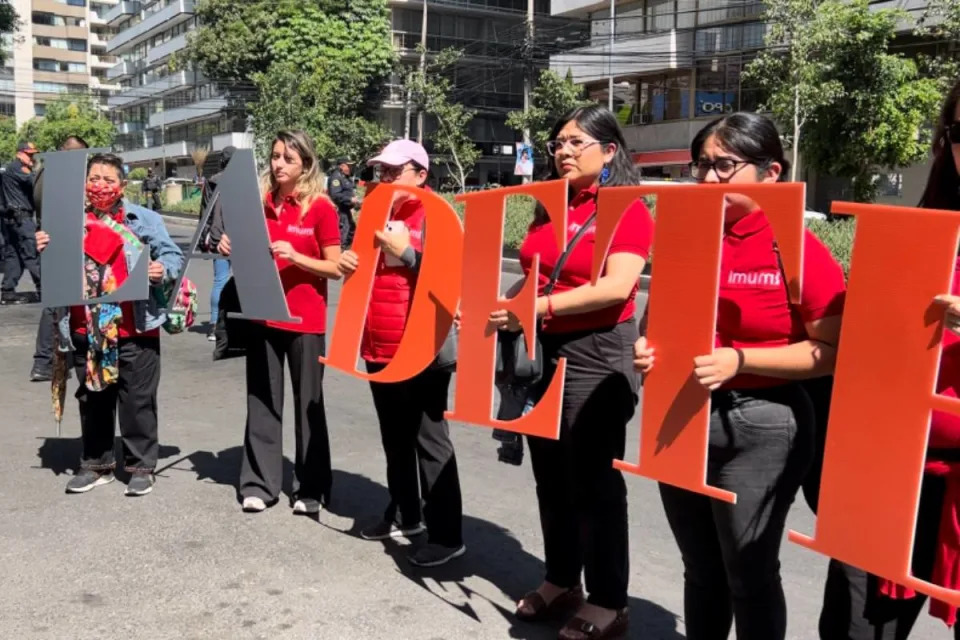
416 437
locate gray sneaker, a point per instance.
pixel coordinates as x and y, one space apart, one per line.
434 555
384 530
140 484
86 479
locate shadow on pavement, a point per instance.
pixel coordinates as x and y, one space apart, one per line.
493 555
61 455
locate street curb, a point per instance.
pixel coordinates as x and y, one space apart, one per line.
510 263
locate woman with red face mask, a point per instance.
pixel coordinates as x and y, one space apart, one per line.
116 347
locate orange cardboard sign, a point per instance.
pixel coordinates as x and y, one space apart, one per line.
884 391
435 297
682 312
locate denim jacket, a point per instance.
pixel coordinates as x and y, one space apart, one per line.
149 228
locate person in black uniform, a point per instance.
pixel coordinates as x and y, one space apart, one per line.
42 369
151 190
17 224
343 192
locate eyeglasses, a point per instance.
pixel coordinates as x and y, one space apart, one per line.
576 145
953 132
725 168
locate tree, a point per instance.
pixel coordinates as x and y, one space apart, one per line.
9 22
551 98
312 64
69 115
8 139
854 106
941 19
431 91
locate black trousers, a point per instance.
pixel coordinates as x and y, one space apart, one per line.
417 446
852 606
348 226
133 398
761 444
582 498
19 234
43 350
261 472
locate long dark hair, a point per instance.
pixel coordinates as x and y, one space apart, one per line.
602 126
751 136
943 184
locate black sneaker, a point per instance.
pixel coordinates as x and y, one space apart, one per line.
434 555
38 375
384 530
86 479
10 298
140 484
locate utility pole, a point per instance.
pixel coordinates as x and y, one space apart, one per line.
406 108
528 76
613 17
423 67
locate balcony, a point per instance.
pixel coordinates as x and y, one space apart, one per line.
238 140
154 88
194 111
103 85
96 40
122 10
126 128
646 54
123 69
102 62
158 53
170 150
173 14
577 8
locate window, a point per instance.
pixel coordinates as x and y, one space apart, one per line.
39 109
719 89
76 67
8 109
75 44
50 87
56 43
41 64
6 85
664 97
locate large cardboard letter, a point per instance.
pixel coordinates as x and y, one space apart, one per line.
884 391
435 297
61 263
683 317
483 247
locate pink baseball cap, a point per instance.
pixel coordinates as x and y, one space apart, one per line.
399 153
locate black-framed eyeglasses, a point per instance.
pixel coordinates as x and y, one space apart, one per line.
953 132
725 168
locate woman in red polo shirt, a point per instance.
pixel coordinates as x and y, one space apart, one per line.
305 242
761 423
859 606
582 498
415 434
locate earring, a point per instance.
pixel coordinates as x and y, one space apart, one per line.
604 175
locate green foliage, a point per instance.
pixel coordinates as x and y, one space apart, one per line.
138 174
940 19
9 21
855 107
69 115
552 97
8 139
838 236
315 65
431 90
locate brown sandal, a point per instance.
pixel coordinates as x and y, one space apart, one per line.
533 608
580 629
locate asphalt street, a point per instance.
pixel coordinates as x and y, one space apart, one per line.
185 562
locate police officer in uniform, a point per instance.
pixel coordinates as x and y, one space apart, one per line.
343 192
17 223
151 190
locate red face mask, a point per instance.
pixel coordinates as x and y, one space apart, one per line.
103 196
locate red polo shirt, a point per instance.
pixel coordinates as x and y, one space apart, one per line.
753 309
634 234
309 233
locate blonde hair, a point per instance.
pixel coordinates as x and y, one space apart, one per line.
311 184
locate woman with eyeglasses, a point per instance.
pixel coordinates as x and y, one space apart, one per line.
416 437
859 606
761 422
582 498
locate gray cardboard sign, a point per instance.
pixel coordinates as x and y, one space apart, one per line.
254 269
61 264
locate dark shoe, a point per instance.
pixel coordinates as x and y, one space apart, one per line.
140 484
580 629
533 608
38 375
384 530
434 555
86 479
10 298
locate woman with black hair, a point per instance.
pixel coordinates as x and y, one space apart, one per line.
582 498
858 606
761 421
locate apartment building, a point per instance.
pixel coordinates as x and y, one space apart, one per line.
59 48
489 76
164 114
